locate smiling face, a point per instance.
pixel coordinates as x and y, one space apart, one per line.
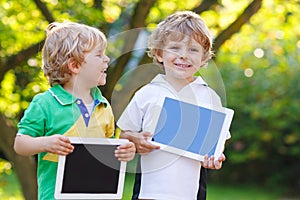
93 69
181 59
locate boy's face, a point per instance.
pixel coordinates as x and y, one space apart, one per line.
93 69
182 58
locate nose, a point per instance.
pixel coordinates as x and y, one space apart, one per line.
106 59
183 54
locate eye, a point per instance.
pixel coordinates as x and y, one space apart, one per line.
194 49
100 54
174 48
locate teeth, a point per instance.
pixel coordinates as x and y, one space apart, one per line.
182 65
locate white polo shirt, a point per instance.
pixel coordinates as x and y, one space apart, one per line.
165 175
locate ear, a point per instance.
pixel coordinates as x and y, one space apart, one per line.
158 55
204 60
73 65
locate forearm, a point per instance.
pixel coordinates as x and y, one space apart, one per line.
58 144
26 145
129 135
143 146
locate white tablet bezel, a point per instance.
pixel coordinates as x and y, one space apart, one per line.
61 168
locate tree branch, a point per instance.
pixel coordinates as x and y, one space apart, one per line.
140 14
24 165
98 4
43 8
237 24
205 5
15 60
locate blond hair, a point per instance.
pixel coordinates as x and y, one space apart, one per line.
64 41
176 27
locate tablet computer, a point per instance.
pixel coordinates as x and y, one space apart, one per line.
91 171
192 130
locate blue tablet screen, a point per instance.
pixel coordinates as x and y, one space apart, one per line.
189 127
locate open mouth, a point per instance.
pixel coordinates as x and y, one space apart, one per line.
182 66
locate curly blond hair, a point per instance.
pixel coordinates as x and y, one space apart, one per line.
176 27
64 41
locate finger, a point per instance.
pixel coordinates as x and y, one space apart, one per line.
124 151
128 145
68 147
124 156
126 148
223 158
211 162
142 150
218 164
150 146
62 153
204 163
63 141
64 138
145 149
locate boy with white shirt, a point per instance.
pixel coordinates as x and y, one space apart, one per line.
181 44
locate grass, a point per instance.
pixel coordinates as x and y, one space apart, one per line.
129 179
222 192
240 192
10 190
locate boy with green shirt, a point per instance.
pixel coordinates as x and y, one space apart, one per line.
75 63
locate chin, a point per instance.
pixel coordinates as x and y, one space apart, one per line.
101 83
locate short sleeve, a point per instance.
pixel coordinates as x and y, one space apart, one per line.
33 121
132 117
111 126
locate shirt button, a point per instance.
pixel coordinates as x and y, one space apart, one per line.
86 115
78 102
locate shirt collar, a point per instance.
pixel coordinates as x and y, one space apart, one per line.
199 80
160 79
65 98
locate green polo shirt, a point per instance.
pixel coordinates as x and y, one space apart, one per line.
58 112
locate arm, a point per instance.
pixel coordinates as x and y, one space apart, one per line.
143 146
26 145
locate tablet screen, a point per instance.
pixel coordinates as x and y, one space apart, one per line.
91 171
192 130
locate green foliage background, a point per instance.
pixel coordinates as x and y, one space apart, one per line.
260 70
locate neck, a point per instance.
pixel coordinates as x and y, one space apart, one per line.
178 84
79 92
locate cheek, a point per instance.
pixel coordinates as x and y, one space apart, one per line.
197 60
169 57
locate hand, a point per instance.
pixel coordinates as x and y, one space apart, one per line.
58 144
211 163
143 146
125 152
